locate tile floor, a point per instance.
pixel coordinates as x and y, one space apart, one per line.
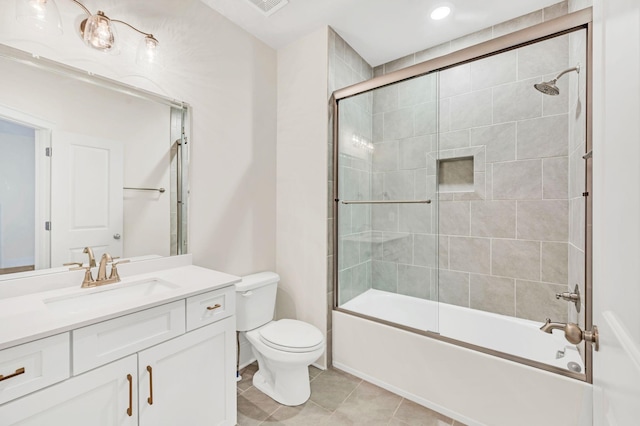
337 398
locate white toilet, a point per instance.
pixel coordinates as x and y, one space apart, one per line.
284 348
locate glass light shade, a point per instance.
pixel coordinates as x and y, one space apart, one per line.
148 52
42 14
99 33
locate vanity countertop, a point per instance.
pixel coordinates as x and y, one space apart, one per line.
29 317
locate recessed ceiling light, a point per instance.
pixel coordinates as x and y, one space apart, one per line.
440 13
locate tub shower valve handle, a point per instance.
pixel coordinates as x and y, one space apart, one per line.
571 297
573 333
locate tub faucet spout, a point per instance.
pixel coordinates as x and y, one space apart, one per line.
549 326
572 332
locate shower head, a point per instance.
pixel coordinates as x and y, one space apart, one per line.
549 87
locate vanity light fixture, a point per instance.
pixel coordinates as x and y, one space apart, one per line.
440 12
97 30
42 14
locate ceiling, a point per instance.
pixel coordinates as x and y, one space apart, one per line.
379 30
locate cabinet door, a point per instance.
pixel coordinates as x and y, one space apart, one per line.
105 396
190 380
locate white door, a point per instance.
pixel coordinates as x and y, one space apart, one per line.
86 197
186 381
106 396
616 211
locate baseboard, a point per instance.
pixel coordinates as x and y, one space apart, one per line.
411 397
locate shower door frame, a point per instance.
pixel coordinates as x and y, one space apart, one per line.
580 20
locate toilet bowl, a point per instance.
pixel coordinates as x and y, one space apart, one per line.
284 348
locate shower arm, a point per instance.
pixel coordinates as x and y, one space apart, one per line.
576 69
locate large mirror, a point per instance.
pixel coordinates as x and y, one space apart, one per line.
85 161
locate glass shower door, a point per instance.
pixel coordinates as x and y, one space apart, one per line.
387 213
511 199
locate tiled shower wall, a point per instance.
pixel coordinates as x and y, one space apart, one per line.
404 242
464 281
504 246
346 67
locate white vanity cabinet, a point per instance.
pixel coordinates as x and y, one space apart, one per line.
172 364
99 397
184 381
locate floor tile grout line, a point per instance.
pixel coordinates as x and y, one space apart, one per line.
397 408
350 393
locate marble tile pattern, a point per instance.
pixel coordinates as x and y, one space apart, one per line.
337 399
518 237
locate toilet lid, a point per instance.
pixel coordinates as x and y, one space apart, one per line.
291 335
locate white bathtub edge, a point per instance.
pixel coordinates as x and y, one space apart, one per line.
408 395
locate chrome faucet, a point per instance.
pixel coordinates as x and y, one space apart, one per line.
572 332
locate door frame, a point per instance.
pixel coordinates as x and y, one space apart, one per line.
43 131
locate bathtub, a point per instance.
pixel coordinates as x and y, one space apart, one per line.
514 336
470 386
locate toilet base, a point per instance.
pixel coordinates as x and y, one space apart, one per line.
282 375
290 387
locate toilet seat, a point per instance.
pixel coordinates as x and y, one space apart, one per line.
291 336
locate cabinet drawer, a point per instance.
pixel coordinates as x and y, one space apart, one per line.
107 341
33 366
210 307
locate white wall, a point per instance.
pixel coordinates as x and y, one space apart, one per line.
302 180
228 77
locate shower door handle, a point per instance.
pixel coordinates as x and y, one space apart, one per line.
385 201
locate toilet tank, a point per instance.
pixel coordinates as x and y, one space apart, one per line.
256 300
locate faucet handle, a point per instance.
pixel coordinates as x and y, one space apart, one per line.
88 280
73 264
114 269
571 297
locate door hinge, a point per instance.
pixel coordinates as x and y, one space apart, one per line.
47 151
47 226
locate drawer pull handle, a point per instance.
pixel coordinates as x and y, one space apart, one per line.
18 372
214 307
130 409
150 399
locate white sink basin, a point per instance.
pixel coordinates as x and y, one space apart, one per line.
110 294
